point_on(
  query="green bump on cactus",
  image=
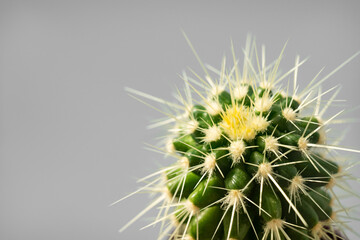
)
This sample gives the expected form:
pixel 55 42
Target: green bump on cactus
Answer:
pixel 189 181
pixel 204 225
pixel 252 163
pixel 207 192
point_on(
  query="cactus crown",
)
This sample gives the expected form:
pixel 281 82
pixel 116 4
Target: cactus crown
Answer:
pixel 252 158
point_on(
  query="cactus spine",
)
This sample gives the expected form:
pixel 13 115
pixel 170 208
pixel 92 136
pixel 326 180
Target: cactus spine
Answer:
pixel 252 160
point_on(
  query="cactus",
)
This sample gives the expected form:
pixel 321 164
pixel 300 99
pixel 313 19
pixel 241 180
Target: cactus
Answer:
pixel 252 158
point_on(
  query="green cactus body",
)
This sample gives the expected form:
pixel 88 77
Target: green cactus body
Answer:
pixel 250 162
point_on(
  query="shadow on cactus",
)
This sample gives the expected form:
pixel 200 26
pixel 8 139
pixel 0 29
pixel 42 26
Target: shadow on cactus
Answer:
pixel 252 160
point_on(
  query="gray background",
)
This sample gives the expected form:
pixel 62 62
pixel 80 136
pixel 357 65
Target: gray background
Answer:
pixel 71 139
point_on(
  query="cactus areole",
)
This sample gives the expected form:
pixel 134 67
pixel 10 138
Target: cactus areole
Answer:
pixel 251 157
